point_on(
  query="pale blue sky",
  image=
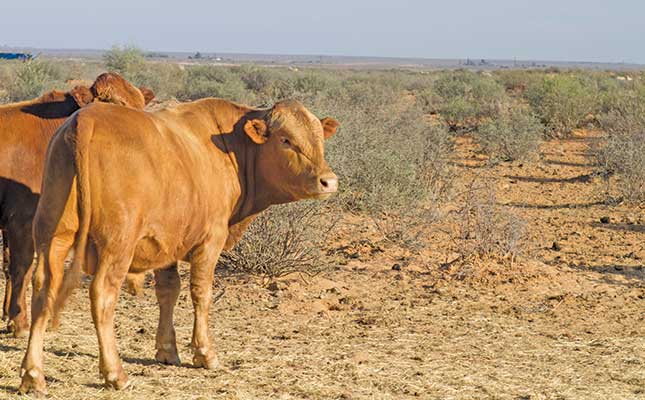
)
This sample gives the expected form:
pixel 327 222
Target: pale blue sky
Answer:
pixel 566 30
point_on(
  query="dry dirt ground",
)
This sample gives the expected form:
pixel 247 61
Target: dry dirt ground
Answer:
pixel 564 323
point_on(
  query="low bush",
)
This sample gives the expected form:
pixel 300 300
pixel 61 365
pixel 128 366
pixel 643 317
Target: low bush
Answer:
pixel 625 113
pixel 126 60
pixel 465 99
pixel 282 240
pixel 562 102
pixel 623 155
pixel 514 135
pixel 385 150
pixel 487 229
pixel 165 79
pixel 32 78
pixel 516 81
pixel 213 81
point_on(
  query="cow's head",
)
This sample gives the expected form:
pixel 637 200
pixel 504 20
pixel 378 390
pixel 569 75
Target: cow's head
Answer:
pixel 110 87
pixel 291 154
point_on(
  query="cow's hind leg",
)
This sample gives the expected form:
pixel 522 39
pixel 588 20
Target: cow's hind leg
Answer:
pixel 167 288
pixel 5 268
pixel 22 257
pixel 104 292
pixel 46 284
pixel 202 267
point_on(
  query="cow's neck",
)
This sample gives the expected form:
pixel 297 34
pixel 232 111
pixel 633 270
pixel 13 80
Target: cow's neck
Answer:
pixel 256 194
pixel 243 156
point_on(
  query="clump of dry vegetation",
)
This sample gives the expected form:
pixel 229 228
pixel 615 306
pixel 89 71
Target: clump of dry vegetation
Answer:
pixel 623 152
pixel 514 135
pixel 284 239
pixel 465 99
pixel 487 229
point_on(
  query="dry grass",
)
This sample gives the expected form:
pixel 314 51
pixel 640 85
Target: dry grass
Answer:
pixel 401 336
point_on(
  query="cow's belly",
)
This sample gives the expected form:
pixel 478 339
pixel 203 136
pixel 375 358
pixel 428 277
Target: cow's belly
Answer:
pixel 152 253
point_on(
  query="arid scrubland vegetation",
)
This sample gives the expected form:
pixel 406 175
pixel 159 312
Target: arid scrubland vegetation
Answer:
pixel 435 187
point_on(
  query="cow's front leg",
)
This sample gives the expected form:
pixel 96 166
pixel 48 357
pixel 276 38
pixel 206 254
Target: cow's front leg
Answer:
pixel 203 260
pixel 167 288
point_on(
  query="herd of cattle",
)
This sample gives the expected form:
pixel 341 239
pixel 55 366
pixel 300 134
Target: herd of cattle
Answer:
pixel 132 191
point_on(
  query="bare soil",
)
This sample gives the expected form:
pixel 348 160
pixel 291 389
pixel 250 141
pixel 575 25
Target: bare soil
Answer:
pixel 564 321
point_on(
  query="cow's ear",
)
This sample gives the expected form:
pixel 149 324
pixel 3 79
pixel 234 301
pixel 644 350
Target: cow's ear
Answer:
pixel 82 95
pixel 256 129
pixel 330 126
pixel 148 94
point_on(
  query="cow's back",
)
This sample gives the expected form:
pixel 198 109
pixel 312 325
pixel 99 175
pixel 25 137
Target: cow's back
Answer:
pixel 24 136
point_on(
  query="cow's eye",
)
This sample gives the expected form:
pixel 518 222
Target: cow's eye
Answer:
pixel 285 141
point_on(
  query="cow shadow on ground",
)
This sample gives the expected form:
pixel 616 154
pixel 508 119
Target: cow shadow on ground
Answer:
pixel 635 273
pixel 555 206
pixel 569 164
pixel 585 178
pixel 468 166
pixel 146 362
pixel 57 352
pixel 5 348
pixel 72 353
pixel 97 386
pixel 620 227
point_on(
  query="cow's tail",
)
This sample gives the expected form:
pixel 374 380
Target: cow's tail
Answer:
pixel 79 145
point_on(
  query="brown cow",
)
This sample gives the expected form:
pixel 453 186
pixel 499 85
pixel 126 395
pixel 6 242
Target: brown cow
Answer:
pixel 25 131
pixel 157 187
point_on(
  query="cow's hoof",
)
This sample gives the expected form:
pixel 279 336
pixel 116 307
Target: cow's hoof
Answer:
pixel 117 380
pixel 19 330
pixel 134 284
pixel 33 382
pixel 205 359
pixel 55 323
pixel 168 357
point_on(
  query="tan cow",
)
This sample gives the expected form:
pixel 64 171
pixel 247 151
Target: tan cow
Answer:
pixel 179 183
pixel 25 131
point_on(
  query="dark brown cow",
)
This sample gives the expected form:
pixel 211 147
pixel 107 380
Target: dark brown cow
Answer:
pixel 25 131
pixel 180 183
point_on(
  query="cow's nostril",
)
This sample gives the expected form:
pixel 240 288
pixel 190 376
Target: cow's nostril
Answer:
pixel 328 183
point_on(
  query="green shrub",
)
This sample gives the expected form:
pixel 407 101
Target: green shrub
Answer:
pixel 514 135
pixel 562 102
pixel 213 81
pixel 384 148
pixel 126 60
pixel 466 98
pixel 32 78
pixel 624 156
pixel 623 153
pixel 625 113
pixel 517 80
pixel 165 79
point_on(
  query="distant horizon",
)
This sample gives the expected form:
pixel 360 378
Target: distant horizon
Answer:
pixel 338 55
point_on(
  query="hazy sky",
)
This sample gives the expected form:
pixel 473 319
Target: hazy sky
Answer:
pixel 575 30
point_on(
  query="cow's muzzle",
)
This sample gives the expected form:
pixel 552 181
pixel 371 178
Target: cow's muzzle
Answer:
pixel 327 183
